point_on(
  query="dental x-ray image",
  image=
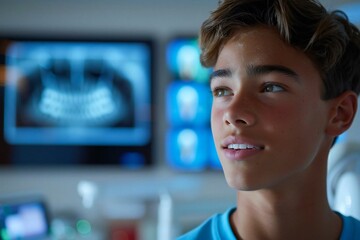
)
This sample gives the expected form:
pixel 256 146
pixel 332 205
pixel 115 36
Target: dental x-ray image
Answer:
pixel 185 148
pixel 189 142
pixel 78 93
pixel 188 104
pixel 184 62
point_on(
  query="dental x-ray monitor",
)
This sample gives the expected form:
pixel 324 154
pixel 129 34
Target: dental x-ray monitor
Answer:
pixel 79 92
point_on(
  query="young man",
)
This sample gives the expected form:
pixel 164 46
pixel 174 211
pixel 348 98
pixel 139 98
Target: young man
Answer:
pixel 286 75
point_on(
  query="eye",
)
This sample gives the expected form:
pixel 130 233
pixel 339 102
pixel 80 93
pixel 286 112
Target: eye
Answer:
pixel 221 92
pixel 273 87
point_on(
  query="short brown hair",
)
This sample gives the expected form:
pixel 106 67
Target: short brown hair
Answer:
pixel 328 38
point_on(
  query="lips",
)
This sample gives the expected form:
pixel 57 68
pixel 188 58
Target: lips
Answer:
pixel 238 148
pixel 235 142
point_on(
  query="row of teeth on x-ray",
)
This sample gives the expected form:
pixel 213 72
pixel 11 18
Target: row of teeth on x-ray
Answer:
pixel 78 96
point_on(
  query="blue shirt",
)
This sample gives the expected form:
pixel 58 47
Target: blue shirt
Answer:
pixel 218 228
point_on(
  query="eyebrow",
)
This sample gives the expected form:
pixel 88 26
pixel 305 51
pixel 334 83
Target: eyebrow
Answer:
pixel 254 70
pixel 220 73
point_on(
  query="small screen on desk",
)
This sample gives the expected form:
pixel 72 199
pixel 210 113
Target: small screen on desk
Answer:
pixel 26 220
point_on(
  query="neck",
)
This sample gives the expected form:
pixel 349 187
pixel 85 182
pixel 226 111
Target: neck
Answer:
pixel 295 211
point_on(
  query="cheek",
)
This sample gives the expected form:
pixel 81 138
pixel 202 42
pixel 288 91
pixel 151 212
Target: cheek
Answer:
pixel 299 129
pixel 290 115
pixel 216 122
pixel 279 120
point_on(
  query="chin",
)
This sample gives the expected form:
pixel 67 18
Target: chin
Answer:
pixel 240 184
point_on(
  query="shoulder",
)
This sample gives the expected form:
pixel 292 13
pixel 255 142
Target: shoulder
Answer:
pixel 203 231
pixel 215 228
pixel 351 228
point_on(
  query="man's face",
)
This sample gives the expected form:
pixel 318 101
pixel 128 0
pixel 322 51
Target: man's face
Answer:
pixel 268 118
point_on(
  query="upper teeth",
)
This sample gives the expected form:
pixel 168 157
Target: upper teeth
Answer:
pixel 240 146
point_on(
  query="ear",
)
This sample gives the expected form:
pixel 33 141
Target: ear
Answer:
pixel 342 113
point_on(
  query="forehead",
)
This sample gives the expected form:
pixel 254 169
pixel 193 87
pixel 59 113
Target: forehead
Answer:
pixel 259 33
pixel 260 41
pixel 262 45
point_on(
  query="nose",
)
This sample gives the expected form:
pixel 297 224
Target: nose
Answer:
pixel 240 112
